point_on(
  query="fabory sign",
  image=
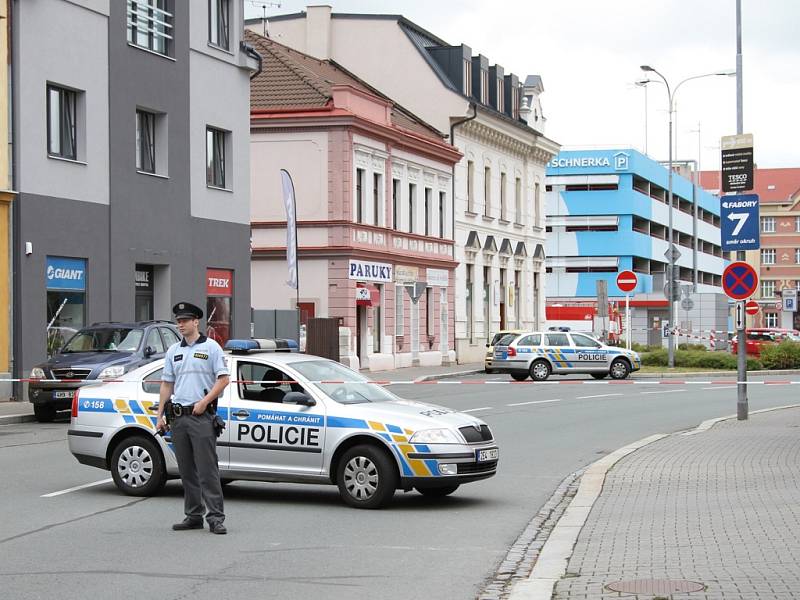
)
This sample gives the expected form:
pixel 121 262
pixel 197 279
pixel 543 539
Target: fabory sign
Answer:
pixel 739 222
pixel 65 273
pixel 369 271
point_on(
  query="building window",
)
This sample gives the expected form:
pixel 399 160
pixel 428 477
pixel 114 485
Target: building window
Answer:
pixel 503 203
pixel 377 184
pixel 467 78
pixel 398 309
pixel 487 300
pixel 518 297
pixel 500 98
pixel 377 323
pixel 412 201
pixel 515 103
pixel 797 255
pixel 62 139
pixel 797 224
pixel 768 256
pixel 487 191
pixel 429 312
pixel 216 159
pixel 536 205
pixel 770 319
pixel 470 186
pixel 518 201
pixel 428 207
pixel 442 208
pixel 218 20
pixel 359 195
pixel 767 289
pixel 396 204
pixel 470 295
pixel 484 87
pixel 150 25
pixel 768 224
pixel 145 141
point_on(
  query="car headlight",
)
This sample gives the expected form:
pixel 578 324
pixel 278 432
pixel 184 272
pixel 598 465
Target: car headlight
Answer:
pixel 111 372
pixel 435 436
pixel 37 373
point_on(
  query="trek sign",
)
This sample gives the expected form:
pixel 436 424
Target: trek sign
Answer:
pixel 739 223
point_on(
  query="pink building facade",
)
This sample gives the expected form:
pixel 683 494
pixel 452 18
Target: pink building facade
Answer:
pixel 374 208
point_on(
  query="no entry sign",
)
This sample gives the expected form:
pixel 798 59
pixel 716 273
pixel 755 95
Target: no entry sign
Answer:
pixel 626 281
pixel 739 280
pixel 751 308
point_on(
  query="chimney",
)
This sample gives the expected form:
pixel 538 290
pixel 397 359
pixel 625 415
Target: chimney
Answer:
pixel 318 31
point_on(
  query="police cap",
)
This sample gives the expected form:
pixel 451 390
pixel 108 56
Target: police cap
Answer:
pixel 187 310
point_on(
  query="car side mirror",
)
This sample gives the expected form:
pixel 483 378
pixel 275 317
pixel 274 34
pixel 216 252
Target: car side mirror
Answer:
pixel 299 398
pixel 149 351
pixel 487 345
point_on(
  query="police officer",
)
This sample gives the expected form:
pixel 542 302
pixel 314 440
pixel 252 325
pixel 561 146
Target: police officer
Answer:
pixel 195 374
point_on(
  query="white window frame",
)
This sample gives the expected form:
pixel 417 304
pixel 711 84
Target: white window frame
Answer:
pixel 768 256
pixel 471 186
pixel 767 288
pixel 63 117
pixel 150 25
pixel 768 224
pixel 399 317
pixel 797 224
pixel 518 200
pixel 360 195
pixel 503 197
pixel 797 256
pixel 770 319
pixel 487 191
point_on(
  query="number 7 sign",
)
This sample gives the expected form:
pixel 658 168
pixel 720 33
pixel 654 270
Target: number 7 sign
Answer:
pixel 739 222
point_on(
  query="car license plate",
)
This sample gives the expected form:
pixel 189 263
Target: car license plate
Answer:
pixel 501 355
pixel 67 394
pixel 486 455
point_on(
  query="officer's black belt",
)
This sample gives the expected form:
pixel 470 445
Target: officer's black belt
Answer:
pixel 179 410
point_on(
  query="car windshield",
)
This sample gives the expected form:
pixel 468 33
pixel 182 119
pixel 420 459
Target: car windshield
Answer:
pixel 506 339
pixel 499 336
pixel 106 339
pixel 341 384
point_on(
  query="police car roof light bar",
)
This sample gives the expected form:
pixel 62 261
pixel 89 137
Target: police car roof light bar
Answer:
pixel 261 345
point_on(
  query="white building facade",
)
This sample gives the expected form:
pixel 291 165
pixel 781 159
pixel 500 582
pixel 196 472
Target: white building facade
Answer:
pixel 494 120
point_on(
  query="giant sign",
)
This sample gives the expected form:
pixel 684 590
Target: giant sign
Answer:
pixel 65 273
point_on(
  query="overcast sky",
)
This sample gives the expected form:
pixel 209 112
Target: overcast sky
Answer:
pixel 588 54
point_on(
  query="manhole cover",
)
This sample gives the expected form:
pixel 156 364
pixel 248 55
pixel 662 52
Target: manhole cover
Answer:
pixel 657 587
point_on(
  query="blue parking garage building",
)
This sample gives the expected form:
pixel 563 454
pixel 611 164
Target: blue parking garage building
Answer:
pixel 607 212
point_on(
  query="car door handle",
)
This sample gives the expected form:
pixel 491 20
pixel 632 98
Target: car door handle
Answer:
pixel 153 408
pixel 240 413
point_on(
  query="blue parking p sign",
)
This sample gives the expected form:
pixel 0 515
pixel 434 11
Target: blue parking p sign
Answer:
pixel 739 227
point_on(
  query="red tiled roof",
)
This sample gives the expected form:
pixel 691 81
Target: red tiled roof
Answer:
pixel 771 185
pixel 292 80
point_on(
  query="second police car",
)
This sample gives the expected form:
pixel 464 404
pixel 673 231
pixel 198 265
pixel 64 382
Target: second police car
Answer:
pixel 539 354
pixel 290 418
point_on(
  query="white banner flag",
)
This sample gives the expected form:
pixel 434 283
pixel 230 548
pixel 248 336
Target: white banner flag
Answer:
pixel 291 227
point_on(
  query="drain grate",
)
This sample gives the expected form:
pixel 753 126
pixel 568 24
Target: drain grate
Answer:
pixel 662 587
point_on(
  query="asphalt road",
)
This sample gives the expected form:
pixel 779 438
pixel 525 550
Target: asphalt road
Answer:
pixel 292 541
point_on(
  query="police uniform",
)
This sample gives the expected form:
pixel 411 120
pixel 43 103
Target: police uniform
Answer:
pixel 194 369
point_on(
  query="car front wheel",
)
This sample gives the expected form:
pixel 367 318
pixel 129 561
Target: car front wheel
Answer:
pixel 366 477
pixel 620 369
pixel 138 467
pixel 540 370
pixel 519 376
pixel 599 375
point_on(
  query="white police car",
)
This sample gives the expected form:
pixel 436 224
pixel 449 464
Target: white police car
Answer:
pixel 540 354
pixel 290 418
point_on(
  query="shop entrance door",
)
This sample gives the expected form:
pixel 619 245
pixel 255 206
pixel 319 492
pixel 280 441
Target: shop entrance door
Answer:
pixel 361 336
pixel 655 319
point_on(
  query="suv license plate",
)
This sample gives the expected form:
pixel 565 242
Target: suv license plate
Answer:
pixel 68 394
pixel 486 455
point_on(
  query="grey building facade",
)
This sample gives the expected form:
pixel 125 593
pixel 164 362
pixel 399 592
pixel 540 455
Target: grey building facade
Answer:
pixel 132 163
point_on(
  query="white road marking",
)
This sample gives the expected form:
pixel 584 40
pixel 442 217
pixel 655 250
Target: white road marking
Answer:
pixel 720 387
pixel 476 409
pixel 664 392
pixel 76 488
pixel 534 402
pixel 597 396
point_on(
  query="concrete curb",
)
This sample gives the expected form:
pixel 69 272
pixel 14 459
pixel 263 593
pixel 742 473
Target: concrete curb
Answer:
pixel 712 373
pixel 20 418
pixel 553 560
pixel 447 375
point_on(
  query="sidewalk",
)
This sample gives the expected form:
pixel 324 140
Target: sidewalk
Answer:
pixel 719 507
pixel 425 373
pixel 15 412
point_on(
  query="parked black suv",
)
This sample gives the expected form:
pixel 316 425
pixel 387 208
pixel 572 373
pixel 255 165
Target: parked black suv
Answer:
pixel 101 351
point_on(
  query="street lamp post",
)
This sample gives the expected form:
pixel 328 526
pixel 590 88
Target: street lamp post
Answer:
pixel 671 258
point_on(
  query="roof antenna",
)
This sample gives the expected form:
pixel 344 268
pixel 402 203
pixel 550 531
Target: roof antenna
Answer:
pixel 264 6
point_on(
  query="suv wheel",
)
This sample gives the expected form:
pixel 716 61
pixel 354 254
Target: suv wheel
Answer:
pixel 540 370
pixel 138 467
pixel 366 477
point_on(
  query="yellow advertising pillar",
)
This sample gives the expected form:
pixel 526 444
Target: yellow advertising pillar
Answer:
pixel 6 195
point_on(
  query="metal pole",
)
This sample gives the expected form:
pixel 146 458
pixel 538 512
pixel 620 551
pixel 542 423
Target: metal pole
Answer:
pixel 628 321
pixel 742 408
pixel 671 274
pixel 739 85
